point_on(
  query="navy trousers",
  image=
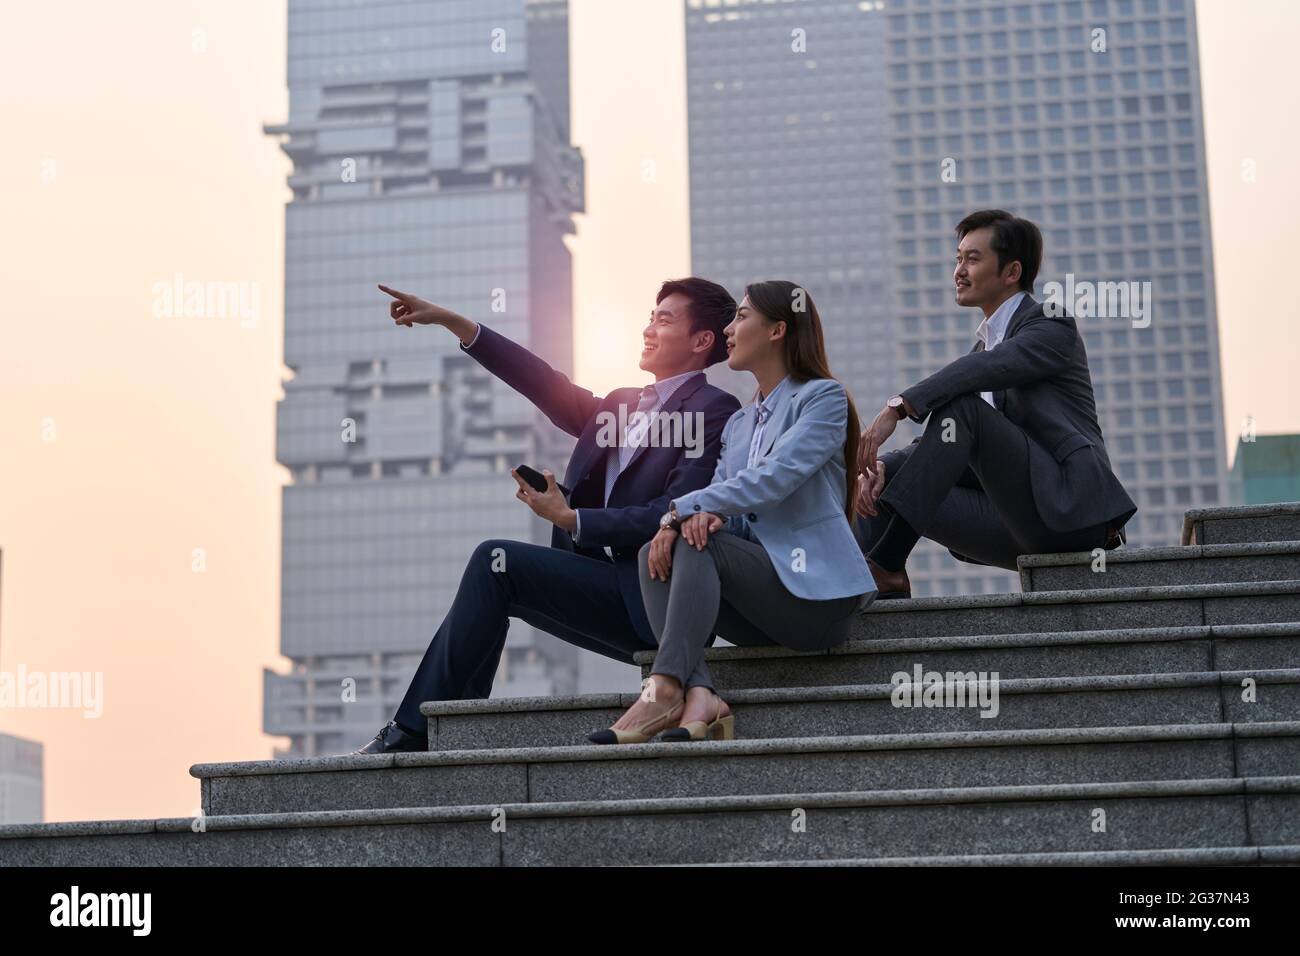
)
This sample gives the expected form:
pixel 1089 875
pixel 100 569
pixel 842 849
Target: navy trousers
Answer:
pixel 573 596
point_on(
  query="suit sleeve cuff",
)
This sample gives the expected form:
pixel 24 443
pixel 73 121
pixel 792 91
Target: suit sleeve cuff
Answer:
pixel 911 400
pixel 477 332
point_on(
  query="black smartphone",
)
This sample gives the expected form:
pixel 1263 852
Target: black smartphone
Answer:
pixel 538 480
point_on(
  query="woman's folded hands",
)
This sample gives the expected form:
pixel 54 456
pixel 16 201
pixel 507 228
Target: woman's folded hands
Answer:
pixel 695 529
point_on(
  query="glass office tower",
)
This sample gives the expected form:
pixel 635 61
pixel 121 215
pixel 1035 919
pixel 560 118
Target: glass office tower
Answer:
pixel 786 124
pixel 430 151
pixel 1082 115
pixel 1265 470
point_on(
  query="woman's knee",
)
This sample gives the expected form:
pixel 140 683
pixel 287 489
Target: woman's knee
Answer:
pixel 683 550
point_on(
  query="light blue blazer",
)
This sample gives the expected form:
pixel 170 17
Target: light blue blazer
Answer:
pixel 792 500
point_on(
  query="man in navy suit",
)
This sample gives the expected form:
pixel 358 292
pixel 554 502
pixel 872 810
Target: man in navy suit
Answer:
pixel 585 587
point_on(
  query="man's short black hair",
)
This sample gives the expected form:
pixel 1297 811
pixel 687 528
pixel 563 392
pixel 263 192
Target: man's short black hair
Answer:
pixel 712 308
pixel 1014 240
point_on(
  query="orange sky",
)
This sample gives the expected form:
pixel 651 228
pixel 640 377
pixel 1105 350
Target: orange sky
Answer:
pixel 128 440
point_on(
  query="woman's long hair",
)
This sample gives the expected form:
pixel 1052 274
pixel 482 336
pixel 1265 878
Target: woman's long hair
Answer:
pixel 805 356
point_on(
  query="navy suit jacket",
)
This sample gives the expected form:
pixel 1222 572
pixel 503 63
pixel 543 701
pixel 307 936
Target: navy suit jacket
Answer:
pixel 654 476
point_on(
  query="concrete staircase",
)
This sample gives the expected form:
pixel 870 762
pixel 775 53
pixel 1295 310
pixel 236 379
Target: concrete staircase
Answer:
pixel 1122 701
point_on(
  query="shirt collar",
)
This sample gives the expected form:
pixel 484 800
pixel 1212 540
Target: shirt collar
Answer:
pixel 769 403
pixel 665 388
pixel 996 324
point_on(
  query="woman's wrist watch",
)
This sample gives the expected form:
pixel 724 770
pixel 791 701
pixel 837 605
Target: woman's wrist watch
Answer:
pixel 671 520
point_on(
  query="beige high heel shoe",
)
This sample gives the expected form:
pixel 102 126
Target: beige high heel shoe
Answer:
pixel 720 728
pixel 641 734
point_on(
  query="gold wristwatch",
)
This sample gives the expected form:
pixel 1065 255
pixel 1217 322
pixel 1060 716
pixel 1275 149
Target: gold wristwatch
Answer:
pixel 670 520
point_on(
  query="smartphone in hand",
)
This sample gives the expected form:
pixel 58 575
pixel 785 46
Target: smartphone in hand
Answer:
pixel 538 480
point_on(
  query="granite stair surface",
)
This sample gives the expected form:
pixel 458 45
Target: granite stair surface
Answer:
pixel 1243 524
pixel 1133 707
pixel 1152 567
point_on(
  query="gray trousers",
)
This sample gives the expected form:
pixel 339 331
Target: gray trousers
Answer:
pixel 728 589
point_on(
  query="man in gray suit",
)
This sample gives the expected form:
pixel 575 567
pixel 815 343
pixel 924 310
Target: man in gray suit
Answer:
pixel 1012 460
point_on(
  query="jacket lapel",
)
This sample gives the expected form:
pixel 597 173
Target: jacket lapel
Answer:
pixel 1022 310
pixel 685 391
pixel 585 460
pixel 1027 303
pixel 776 423
pixel 999 398
pixel 741 436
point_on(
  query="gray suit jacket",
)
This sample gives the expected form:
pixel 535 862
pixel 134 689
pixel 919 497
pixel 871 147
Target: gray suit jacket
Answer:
pixel 1039 378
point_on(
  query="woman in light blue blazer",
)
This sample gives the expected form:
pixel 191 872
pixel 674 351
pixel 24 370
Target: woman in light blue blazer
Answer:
pixel 764 554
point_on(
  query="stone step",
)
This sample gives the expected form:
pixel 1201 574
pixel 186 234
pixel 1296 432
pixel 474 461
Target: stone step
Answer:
pixel 1054 818
pixel 1243 523
pixel 1206 697
pixel 1194 856
pixel 1147 567
pixel 1073 610
pixel 804 765
pixel 1155 650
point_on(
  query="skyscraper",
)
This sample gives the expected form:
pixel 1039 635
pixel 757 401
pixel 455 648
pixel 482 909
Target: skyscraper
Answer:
pixel 1082 115
pixel 1265 470
pixel 430 151
pixel 787 138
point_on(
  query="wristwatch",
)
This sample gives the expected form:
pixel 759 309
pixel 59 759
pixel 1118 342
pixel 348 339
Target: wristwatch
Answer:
pixel 670 520
pixel 896 403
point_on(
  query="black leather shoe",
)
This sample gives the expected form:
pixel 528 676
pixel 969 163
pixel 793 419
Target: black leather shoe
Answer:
pixel 898 586
pixel 393 739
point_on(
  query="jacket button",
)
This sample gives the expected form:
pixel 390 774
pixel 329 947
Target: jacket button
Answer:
pixel 697 507
pixel 752 517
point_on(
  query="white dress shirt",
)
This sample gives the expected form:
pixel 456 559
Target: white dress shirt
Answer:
pixel 653 398
pixel 994 327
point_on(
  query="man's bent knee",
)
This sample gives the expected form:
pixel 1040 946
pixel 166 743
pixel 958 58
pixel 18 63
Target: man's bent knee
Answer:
pixel 958 404
pixel 492 553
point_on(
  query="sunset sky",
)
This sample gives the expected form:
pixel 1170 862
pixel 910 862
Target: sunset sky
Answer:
pixel 133 152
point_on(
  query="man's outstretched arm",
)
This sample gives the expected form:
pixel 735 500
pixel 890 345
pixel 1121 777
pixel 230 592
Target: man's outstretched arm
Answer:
pixel 569 406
